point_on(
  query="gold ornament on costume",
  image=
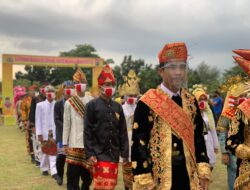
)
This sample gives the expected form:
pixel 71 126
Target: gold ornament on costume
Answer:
pixel 131 84
pixel 231 83
pixel 198 90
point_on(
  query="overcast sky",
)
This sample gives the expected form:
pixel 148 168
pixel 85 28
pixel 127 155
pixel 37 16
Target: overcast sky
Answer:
pixel 210 28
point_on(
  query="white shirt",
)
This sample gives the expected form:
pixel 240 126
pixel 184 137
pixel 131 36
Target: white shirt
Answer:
pixel 73 124
pixel 169 92
pixel 45 119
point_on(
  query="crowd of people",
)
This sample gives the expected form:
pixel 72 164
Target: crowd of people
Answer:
pixel 167 138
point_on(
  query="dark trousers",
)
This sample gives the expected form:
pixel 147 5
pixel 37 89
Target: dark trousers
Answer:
pixel 74 172
pixel 180 179
pixel 60 162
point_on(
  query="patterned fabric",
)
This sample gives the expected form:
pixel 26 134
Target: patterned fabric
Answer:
pixel 105 175
pixel 173 115
pixel 127 175
pixel 79 76
pixel 76 156
pixel 173 52
pixel 77 104
pixel 106 75
pixel 49 147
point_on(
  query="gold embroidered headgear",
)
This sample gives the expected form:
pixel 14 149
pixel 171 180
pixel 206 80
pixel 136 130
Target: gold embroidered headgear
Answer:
pixel 79 76
pixel 198 90
pixel 131 84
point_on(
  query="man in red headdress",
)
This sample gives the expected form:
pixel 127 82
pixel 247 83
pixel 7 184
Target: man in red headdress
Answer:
pixel 105 133
pixel 168 150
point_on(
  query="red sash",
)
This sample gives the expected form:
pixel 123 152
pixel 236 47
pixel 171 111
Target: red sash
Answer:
pixel 173 114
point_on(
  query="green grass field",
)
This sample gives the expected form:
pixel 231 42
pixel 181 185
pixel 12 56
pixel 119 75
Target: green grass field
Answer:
pixel 17 172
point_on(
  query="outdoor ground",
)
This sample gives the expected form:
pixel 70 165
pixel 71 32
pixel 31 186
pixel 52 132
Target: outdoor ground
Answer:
pixel 17 172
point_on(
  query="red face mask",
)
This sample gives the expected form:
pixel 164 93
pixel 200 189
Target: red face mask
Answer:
pixel 108 91
pixel 80 87
pixel 131 100
pixel 42 90
pixel 69 92
pixel 202 105
pixel 50 95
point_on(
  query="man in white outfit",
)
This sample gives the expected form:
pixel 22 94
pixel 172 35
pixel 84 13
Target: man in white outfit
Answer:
pixel 74 112
pixel 45 130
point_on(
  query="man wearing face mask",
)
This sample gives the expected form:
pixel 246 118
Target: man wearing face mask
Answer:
pixel 74 113
pixel 168 150
pixel 36 144
pixel 45 131
pixel 105 133
pixel 68 90
pixel 130 90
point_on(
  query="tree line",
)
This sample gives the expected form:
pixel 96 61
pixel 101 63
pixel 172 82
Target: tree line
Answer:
pixel 148 73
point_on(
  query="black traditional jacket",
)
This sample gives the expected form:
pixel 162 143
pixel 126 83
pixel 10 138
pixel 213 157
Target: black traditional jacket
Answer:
pixel 157 146
pixel 105 130
pixel 238 142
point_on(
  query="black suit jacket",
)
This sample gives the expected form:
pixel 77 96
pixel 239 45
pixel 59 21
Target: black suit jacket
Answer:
pixel 58 117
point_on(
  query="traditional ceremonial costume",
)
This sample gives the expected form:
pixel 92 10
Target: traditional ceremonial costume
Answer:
pixel 130 90
pixel 238 141
pixel 32 117
pixel 45 128
pixel 25 110
pixel 232 86
pixel 105 134
pixel 168 150
pixel 73 127
pixel 64 92
pixel 211 138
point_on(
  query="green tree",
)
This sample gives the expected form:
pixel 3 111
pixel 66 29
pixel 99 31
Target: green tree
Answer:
pixel 204 74
pixel 233 71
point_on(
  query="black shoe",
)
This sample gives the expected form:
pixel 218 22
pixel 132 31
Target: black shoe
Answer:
pixel 45 173
pixel 59 180
pixel 37 164
pixel 54 176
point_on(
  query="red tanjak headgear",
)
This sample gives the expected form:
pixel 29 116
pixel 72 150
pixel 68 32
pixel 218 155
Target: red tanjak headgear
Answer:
pixel 106 75
pixel 244 60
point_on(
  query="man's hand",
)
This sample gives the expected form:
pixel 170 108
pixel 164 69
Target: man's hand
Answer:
pixel 40 138
pixel 124 161
pixel 225 158
pixel 204 184
pixel 92 160
pixel 65 147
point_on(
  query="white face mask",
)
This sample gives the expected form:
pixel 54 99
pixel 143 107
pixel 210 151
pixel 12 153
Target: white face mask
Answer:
pixel 108 90
pixel 50 95
pixel 80 87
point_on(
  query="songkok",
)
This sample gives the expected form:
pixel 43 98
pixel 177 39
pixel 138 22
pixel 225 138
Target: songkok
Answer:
pixel 173 52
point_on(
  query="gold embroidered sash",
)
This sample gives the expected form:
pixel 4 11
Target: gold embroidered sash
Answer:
pixel 77 104
pixel 173 114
